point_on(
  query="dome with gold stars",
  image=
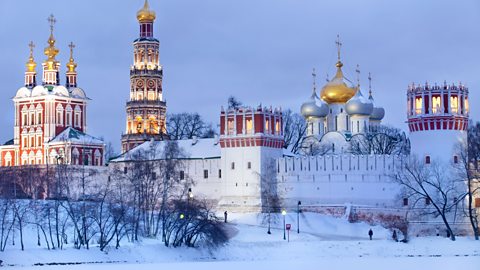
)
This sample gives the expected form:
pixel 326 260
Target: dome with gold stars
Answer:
pixel 337 90
pixel 146 14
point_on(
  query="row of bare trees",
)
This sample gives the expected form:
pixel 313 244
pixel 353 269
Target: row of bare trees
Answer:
pixel 147 196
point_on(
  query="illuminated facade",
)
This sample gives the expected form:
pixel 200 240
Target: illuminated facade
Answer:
pixel 437 119
pixel 50 119
pixel 146 108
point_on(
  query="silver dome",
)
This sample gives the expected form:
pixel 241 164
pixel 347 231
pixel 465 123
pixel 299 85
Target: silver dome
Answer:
pixel 311 109
pixel 378 112
pixel 359 105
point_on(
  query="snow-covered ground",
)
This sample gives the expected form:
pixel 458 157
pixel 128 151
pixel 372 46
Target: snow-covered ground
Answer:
pixel 323 243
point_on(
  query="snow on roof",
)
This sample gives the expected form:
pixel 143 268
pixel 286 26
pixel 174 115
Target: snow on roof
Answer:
pixel 193 149
pixel 72 135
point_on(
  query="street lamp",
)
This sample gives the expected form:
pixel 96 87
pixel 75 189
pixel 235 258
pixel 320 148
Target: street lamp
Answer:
pixel 298 216
pixel 284 213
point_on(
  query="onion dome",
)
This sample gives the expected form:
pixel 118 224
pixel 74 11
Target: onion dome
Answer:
pixel 145 14
pixel 31 65
pixel 311 109
pixel 359 105
pixel 337 90
pixel 378 112
pixel 71 65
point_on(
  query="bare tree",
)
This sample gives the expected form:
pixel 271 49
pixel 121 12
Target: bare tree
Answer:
pixel 383 140
pixel 187 126
pixel 468 171
pixel 294 130
pixel 270 195
pixel 432 185
pixel 234 103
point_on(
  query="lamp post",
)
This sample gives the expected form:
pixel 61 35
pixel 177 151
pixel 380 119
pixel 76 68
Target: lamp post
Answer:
pixel 298 216
pixel 284 213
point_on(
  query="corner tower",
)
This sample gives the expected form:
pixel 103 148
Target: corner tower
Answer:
pixel 437 120
pixel 146 108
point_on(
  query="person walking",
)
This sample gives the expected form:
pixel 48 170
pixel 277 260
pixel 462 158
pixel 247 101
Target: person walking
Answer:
pixel 370 234
pixel 225 214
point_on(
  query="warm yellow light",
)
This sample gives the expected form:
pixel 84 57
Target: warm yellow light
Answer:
pixel 466 105
pixel 249 126
pixel 454 104
pixel 436 103
pixel 418 105
pixel 182 216
pixel 284 212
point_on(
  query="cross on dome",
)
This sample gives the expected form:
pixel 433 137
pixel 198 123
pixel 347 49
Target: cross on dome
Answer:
pixel 314 75
pixel 358 75
pixel 71 46
pixel 51 20
pixel 339 46
pixel 32 46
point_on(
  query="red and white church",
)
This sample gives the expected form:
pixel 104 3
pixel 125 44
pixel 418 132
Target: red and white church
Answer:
pixel 50 118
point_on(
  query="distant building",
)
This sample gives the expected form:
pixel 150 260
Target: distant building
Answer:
pixel 146 108
pixel 51 119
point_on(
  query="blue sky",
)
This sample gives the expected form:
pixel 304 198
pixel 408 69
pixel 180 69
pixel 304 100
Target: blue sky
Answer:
pixel 261 51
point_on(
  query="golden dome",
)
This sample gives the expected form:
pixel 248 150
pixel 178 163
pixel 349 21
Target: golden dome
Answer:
pixel 336 90
pixel 51 51
pixel 145 14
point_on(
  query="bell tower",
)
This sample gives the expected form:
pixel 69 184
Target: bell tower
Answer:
pixel 146 108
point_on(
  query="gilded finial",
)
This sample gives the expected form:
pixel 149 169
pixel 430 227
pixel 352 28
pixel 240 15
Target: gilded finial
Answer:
pixel 369 84
pixel 31 62
pixel 51 51
pixel 339 47
pixel 358 75
pixel 71 64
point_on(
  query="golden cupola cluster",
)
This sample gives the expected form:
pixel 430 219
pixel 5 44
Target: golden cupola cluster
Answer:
pixel 31 65
pixel 146 14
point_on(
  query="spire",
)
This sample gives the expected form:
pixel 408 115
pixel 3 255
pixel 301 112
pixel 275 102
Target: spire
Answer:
pixel 31 65
pixel 71 63
pixel 30 73
pixel 51 51
pixel 51 65
pixel 71 80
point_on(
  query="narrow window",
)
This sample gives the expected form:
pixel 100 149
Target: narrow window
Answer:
pixel 154 175
pixel 219 173
pixel 233 166
pixel 125 170
pixel 182 175
pixel 455 159
pixel 427 159
pixel 405 201
pixel 427 201
pixel 205 174
pixel 249 165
